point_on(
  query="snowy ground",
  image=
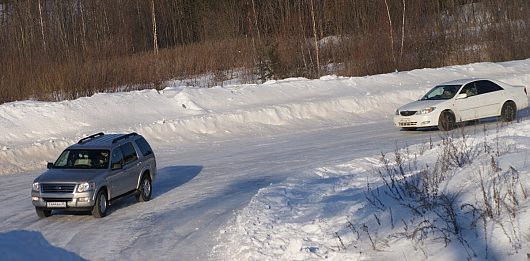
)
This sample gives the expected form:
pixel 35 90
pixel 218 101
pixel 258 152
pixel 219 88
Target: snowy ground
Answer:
pixel 277 171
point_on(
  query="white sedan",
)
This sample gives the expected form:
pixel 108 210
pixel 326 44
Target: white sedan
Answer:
pixel 462 100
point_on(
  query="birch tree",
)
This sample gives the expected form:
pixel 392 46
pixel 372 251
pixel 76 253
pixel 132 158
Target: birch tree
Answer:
pixel 391 33
pixel 315 37
pixel 153 22
pixel 42 27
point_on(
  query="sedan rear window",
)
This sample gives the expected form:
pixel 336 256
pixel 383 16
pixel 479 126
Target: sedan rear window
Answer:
pixel 487 87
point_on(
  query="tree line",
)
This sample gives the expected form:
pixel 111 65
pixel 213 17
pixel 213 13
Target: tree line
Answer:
pixel 64 49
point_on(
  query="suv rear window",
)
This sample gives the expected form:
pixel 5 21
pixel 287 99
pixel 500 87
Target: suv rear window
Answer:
pixel 145 149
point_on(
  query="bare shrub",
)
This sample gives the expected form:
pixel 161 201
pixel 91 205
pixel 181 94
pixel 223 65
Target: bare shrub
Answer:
pixel 437 212
pixel 457 152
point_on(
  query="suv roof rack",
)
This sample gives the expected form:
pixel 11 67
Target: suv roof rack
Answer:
pixel 124 137
pixel 86 139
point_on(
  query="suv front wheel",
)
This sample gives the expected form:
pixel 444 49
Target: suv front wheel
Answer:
pixel 100 207
pixel 42 213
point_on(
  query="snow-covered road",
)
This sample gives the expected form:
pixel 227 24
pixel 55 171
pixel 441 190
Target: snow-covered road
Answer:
pixel 198 188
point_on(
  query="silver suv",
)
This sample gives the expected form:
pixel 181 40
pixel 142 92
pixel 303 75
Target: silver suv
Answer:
pixel 92 174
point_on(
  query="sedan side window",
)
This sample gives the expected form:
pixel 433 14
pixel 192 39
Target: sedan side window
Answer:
pixel 487 87
pixel 129 153
pixel 470 89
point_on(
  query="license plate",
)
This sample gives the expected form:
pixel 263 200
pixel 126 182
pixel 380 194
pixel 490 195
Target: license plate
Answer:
pixel 56 204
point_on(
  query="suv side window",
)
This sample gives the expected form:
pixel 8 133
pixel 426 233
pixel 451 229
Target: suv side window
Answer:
pixel 117 157
pixel 129 154
pixel 144 147
pixel 487 86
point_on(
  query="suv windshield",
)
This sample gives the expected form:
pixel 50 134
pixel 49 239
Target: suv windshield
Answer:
pixel 83 159
pixel 441 92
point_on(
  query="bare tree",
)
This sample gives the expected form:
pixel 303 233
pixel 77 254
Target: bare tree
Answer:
pixel 316 38
pixel 402 31
pixel 42 27
pixel 391 33
pixel 153 22
pixel 100 44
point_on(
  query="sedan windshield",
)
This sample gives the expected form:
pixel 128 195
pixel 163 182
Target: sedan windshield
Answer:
pixel 441 92
pixel 83 159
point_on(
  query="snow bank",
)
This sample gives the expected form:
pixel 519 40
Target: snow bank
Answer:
pixel 328 214
pixel 32 132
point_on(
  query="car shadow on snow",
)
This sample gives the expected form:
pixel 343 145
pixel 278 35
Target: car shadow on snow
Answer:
pixel 31 245
pixel 172 177
pixel 167 179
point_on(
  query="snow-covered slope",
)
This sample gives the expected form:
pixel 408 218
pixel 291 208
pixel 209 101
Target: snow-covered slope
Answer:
pixel 33 132
pixel 347 212
pixel 277 171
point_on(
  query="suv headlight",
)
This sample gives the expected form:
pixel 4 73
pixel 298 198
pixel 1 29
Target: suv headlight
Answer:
pixel 87 186
pixel 426 110
pixel 36 186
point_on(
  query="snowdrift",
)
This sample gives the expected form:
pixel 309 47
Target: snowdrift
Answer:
pixel 33 132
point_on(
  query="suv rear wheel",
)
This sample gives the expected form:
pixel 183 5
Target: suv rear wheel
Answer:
pixel 100 207
pixel 144 191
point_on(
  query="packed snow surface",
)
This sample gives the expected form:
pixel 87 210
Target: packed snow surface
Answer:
pixel 286 170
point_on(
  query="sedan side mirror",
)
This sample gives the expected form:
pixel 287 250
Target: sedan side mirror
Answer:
pixel 116 166
pixel 461 96
pixel 49 165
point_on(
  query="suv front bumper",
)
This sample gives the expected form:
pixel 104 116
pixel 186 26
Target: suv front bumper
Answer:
pixel 72 201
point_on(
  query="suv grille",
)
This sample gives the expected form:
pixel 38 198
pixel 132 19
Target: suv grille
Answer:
pixel 57 199
pixel 57 188
pixel 407 113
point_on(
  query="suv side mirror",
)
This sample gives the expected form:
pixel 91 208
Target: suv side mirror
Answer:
pixel 49 165
pixel 116 166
